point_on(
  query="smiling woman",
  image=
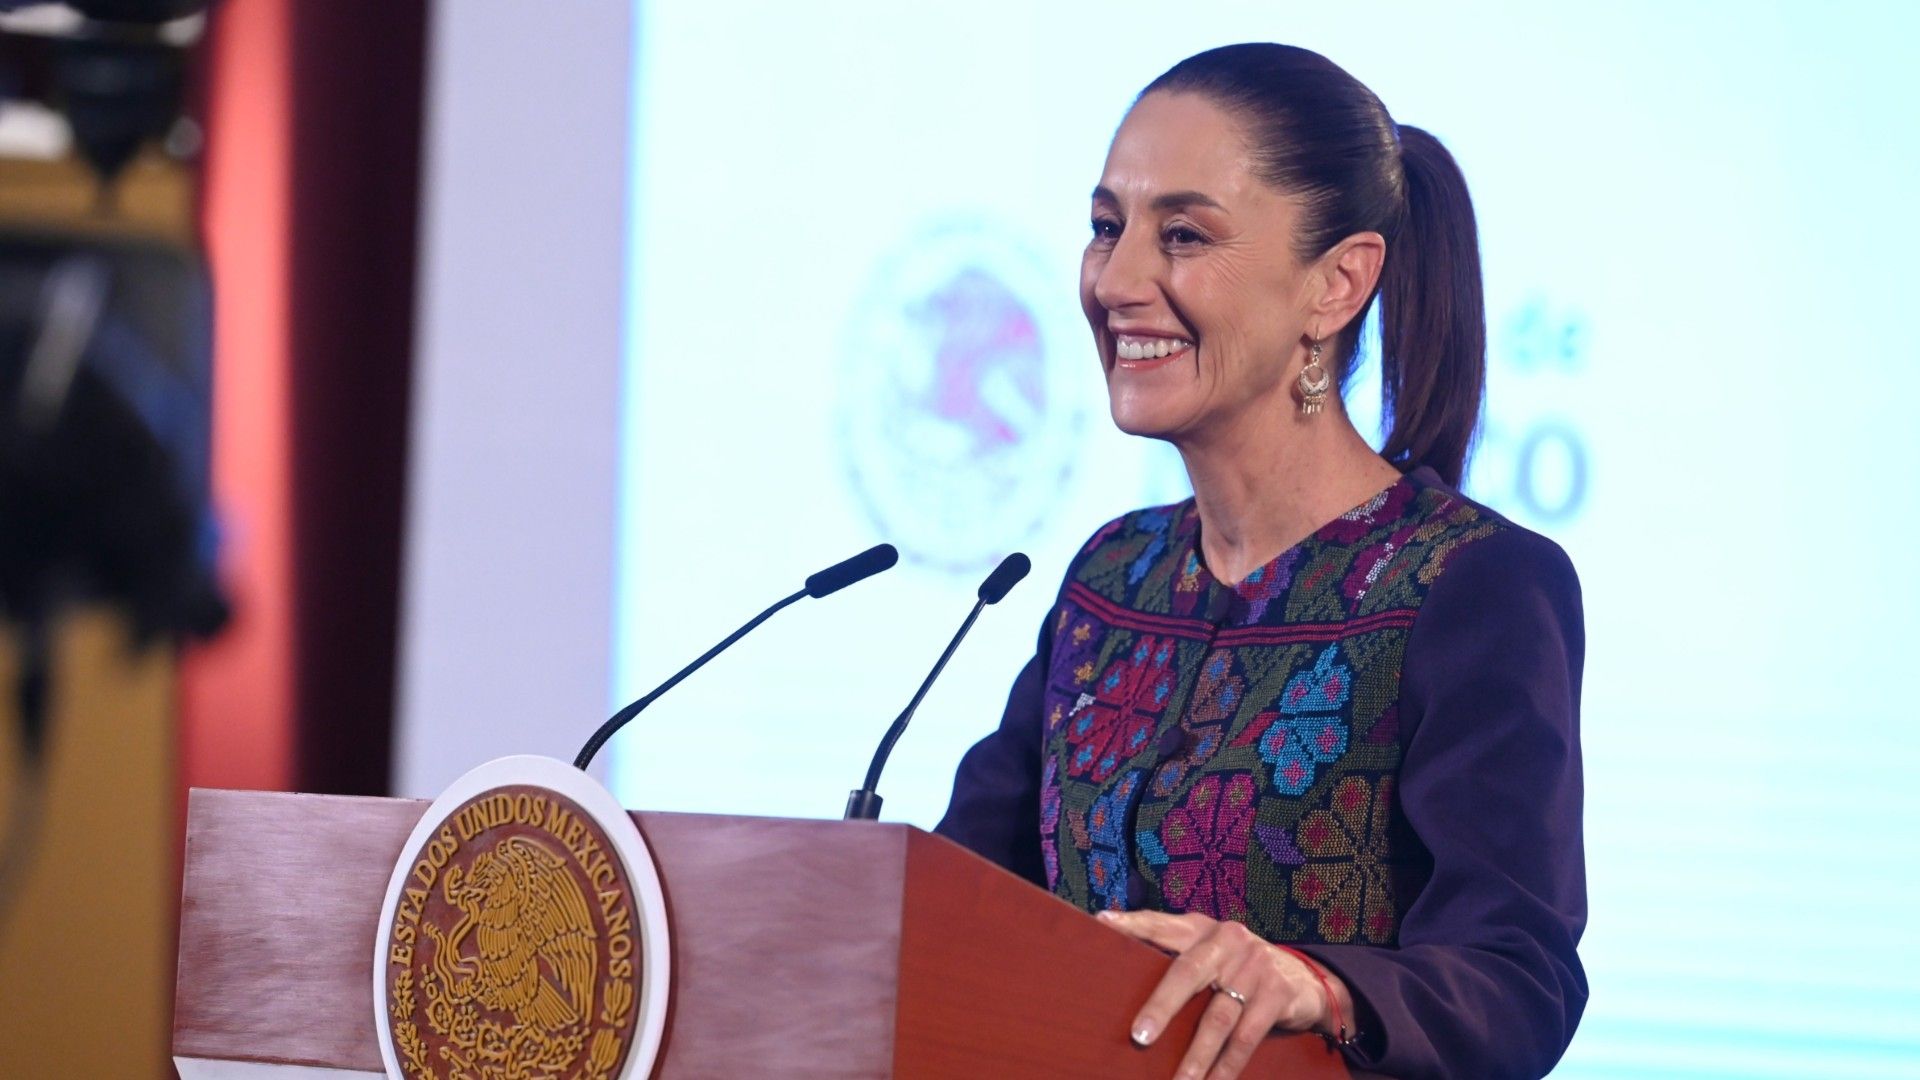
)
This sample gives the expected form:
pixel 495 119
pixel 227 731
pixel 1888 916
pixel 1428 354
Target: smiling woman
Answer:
pixel 1314 730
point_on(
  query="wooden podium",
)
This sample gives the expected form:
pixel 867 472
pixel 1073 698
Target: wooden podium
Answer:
pixel 800 949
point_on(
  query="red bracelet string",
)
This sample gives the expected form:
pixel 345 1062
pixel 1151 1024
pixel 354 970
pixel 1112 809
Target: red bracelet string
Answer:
pixel 1342 1037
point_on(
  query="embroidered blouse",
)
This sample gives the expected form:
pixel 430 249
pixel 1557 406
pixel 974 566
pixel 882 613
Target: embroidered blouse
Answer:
pixel 1367 749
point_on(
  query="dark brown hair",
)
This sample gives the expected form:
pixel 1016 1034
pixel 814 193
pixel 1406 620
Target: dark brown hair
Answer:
pixel 1320 135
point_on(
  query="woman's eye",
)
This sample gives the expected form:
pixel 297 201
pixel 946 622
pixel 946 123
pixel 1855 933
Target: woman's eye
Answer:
pixel 1106 229
pixel 1181 236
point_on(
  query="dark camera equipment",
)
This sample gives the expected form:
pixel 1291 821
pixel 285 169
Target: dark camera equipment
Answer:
pixel 105 376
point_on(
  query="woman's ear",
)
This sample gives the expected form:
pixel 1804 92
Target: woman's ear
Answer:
pixel 1345 277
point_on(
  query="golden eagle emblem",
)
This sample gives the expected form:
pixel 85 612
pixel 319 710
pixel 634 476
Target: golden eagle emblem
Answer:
pixel 511 945
pixel 534 935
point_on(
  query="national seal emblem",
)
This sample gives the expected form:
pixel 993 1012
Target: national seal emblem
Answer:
pixel 524 934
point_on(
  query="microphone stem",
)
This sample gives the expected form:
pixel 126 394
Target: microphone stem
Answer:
pixel 900 725
pixel 619 720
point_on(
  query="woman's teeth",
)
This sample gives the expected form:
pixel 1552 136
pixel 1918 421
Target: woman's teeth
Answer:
pixel 1132 348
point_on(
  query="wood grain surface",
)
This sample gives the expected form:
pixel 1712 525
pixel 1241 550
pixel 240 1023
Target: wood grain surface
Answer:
pixel 1000 978
pixel 785 935
pixel 277 919
pixel 792 942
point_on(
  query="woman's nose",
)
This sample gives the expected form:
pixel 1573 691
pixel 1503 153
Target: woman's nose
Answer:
pixel 1127 278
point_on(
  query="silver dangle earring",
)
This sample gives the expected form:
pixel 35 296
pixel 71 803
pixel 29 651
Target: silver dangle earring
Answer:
pixel 1314 383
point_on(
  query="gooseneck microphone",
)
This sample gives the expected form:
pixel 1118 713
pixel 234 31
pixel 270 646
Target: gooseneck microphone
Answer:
pixel 864 803
pixel 825 583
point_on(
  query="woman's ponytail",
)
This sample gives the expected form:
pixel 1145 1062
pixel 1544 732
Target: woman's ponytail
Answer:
pixel 1433 317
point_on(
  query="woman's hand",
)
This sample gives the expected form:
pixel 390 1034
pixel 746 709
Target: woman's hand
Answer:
pixel 1278 988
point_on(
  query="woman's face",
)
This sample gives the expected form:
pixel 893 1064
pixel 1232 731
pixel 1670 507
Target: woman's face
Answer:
pixel 1197 303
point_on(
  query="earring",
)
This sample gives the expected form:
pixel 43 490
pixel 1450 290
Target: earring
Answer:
pixel 1314 383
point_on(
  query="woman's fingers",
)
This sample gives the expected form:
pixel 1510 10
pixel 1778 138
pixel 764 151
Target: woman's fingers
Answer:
pixel 1185 977
pixel 1195 969
pixel 1217 1026
pixel 1266 1001
pixel 1216 957
pixel 1174 933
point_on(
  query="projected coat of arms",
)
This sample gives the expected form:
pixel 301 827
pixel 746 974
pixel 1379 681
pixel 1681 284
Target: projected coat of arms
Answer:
pixel 964 382
pixel 520 940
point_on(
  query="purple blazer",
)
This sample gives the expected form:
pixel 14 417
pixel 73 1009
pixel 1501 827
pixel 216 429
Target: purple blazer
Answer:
pixel 1367 749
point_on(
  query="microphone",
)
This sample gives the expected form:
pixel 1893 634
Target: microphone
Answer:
pixel 864 802
pixel 825 583
pixel 847 571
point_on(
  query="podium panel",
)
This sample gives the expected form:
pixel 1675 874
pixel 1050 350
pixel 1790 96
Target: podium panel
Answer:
pixel 803 949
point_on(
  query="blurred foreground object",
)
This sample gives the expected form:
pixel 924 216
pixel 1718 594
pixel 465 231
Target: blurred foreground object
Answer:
pixel 86 948
pixel 105 381
pixel 104 428
pixel 104 425
pixel 102 78
pixel 106 538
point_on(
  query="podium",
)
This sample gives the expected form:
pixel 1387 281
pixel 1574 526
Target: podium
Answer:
pixel 801 949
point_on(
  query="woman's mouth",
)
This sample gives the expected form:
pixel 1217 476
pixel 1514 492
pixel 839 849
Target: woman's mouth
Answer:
pixel 1136 352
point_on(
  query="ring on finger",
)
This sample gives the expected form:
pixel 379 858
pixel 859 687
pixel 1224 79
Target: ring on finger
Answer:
pixel 1239 998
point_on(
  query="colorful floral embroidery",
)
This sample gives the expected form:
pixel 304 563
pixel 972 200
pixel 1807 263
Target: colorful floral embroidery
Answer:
pixel 1268 583
pixel 1216 697
pixel 1076 647
pixel 1108 858
pixel 1116 723
pixel 1156 522
pixel 1201 847
pixel 1366 569
pixel 1218 692
pixel 1346 877
pixel 1324 689
pixel 1232 749
pixel 1308 730
pixel 1050 820
pixel 1189 574
pixel 1294 748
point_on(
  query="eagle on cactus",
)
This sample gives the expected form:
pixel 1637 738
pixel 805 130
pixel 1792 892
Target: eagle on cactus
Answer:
pixel 532 931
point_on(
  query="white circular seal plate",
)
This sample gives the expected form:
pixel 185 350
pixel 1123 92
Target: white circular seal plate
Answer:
pixel 631 848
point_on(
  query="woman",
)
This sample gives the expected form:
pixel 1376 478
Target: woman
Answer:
pixel 1314 730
